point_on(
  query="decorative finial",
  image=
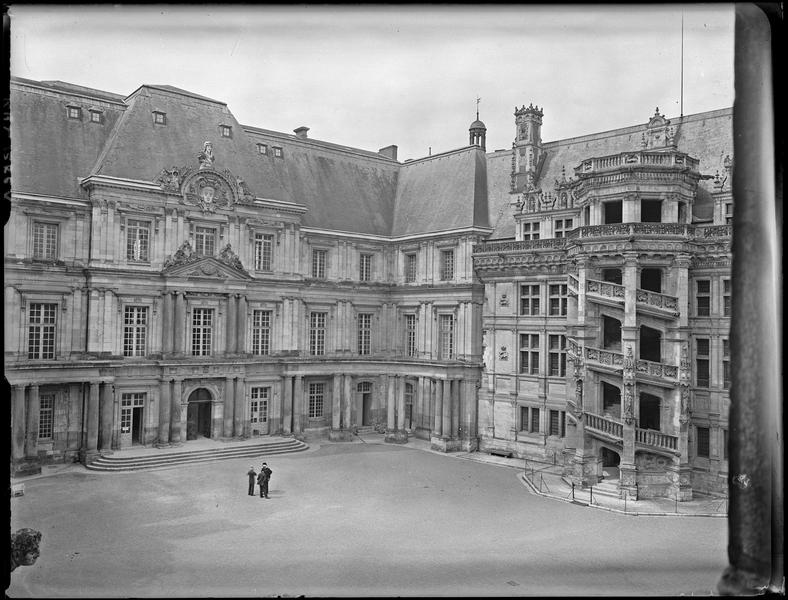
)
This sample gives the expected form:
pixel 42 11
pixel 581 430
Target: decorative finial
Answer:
pixel 477 107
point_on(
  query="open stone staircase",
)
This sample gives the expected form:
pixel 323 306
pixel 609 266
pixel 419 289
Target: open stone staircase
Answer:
pixel 168 458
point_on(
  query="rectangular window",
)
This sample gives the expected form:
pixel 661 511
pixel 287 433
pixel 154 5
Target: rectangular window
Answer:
pixel 365 267
pixel 726 364
pixel 447 265
pixel 202 331
pixel 529 419
pixel 137 240
pixel 410 268
pixel 557 352
pixel 702 297
pixel 258 407
pixel 446 324
pixel 703 441
pixel 529 353
pixel 529 300
pixel 226 131
pixel 558 300
pixel 534 428
pixel 410 335
pixel 159 118
pixel 204 240
pixel 562 227
pixel 726 297
pixel 317 333
pixel 46 411
pixel 557 423
pixel 364 334
pixel 74 112
pixel 261 332
pixel 95 116
pixel 135 330
pixel 263 250
pixel 702 362
pixel 530 231
pixel 319 263
pixel 45 241
pixel 42 321
pixel 262 149
pixel 316 396
pixel 728 213
pixel 278 152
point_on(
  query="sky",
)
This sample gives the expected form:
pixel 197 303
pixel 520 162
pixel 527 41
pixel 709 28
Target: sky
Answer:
pixel 371 76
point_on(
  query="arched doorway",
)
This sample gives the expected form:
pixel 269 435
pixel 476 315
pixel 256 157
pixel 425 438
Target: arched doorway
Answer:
pixel 198 415
pixel 610 462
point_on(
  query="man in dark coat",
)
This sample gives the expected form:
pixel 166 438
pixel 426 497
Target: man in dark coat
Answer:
pixel 262 480
pixel 252 475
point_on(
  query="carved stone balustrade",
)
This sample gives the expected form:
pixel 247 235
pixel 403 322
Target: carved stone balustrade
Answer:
pixel 606 289
pixel 607 358
pixel 662 302
pixel 572 284
pixel 656 439
pixel 656 369
pixel 617 162
pixel 608 427
pixel 713 231
pixel 514 246
pixel 633 229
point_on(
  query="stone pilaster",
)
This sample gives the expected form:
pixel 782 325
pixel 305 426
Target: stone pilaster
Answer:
pixel 165 413
pixel 90 448
pixel 287 405
pixel 228 405
pixel 240 419
pixel 179 427
pixel 33 412
pixel 232 326
pixel 107 414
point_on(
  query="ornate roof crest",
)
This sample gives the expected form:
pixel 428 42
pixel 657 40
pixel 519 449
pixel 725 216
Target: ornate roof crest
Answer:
pixel 187 262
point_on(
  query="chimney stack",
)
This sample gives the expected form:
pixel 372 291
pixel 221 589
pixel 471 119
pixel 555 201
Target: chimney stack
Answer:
pixel 301 132
pixel 389 152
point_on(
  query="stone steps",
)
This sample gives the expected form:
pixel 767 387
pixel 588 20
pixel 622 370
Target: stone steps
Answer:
pixel 169 459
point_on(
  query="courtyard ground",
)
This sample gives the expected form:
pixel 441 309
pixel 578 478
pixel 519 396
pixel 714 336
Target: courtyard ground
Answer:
pixel 347 519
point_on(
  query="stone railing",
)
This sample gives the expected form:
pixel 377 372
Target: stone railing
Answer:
pixel 631 229
pixel 604 425
pixel 656 439
pixel 514 246
pixel 572 283
pixel 656 369
pixel 605 288
pixel 632 159
pixel 605 357
pixel 663 301
pixel 713 231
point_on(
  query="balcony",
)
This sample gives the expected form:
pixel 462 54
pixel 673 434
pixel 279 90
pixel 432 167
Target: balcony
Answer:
pixel 649 438
pixel 658 370
pixel 604 358
pixel 658 304
pixel 609 293
pixel 629 160
pixel 572 284
pixel 632 229
pixel 605 428
pixel 515 246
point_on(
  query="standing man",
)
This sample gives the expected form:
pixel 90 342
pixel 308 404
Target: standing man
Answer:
pixel 252 475
pixel 262 479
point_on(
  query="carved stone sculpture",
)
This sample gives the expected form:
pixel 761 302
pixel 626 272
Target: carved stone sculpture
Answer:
pixel 24 547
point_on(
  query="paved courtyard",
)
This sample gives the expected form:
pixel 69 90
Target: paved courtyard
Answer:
pixel 347 519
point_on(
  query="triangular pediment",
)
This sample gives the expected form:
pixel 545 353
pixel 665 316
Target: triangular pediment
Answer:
pixel 205 266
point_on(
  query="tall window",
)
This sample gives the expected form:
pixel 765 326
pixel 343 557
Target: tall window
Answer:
pixel 365 267
pixel 703 441
pixel 410 268
pixel 263 250
pixel 410 335
pixel 258 405
pixel 364 333
pixel 447 265
pixel 261 332
pixel 204 240
pixel 702 297
pixel 317 333
pixel 557 352
pixel 529 353
pixel 529 419
pixel 202 331
pixel 137 240
pixel 726 297
pixel 42 320
pixel 728 213
pixel 45 416
pixel 530 231
pixel 44 241
pixel 702 362
pixel 726 363
pixel 446 325
pixel 319 263
pixel 529 300
pixel 135 330
pixel 557 423
pixel 562 227
pixel 557 300
pixel 316 396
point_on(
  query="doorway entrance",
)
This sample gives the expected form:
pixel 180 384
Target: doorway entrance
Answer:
pixel 610 463
pixel 365 398
pixel 131 407
pixel 198 414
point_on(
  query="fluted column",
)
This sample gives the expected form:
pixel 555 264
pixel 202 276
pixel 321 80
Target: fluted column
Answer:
pixel 179 428
pixel 231 325
pixel 228 405
pixel 287 405
pixel 107 413
pixel 241 326
pixel 239 414
pixel 33 410
pixel 180 322
pixel 447 409
pixel 18 424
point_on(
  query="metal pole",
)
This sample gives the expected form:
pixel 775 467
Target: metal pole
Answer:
pixel 573 490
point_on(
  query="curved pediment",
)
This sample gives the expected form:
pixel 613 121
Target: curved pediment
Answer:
pixel 187 263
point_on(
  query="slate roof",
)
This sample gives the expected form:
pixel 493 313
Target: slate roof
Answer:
pixel 707 136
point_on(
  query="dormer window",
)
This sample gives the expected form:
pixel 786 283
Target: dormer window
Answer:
pixel 159 118
pixel 262 149
pixel 278 153
pixel 96 116
pixel 74 112
pixel 226 131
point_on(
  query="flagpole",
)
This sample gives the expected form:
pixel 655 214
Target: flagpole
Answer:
pixel 682 64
